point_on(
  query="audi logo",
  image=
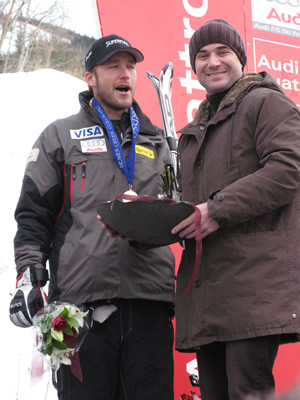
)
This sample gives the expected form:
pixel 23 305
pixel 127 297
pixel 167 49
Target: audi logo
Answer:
pixel 93 142
pixel 293 3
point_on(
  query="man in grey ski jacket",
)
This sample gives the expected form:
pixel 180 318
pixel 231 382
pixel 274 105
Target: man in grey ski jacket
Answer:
pixel 71 169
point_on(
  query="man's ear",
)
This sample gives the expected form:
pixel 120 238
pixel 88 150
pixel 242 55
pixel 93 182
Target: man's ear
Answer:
pixel 90 78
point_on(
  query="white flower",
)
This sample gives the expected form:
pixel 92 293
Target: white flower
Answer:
pixel 59 357
pixel 75 313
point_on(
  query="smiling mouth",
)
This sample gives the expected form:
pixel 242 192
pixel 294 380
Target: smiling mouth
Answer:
pixel 216 73
pixel 123 89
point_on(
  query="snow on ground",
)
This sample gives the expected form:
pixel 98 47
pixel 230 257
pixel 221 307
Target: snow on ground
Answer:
pixel 29 101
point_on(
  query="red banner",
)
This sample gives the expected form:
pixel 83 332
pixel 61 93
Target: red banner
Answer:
pixel 273 41
pixel 161 29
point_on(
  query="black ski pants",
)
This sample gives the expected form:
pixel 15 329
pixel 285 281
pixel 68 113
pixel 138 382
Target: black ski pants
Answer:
pixel 127 357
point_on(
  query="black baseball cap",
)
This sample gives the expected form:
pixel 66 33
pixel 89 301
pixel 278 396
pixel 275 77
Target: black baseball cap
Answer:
pixel 104 48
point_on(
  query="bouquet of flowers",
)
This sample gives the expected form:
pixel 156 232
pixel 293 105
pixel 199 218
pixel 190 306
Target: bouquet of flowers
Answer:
pixel 61 329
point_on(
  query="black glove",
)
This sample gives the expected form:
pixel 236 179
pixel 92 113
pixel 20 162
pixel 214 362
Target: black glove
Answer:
pixel 29 296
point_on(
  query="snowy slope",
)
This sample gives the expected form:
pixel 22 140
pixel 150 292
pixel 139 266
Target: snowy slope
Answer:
pixel 28 103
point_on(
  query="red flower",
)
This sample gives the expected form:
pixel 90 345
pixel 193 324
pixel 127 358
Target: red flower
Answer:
pixel 68 338
pixel 59 323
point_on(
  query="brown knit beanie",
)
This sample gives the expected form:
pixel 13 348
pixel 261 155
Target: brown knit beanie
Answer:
pixel 217 31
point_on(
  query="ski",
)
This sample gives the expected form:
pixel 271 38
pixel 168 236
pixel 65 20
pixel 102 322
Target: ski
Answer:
pixel 163 87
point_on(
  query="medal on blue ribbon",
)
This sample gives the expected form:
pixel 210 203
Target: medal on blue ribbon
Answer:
pixel 127 167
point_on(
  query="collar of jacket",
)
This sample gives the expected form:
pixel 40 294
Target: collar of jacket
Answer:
pixel 231 100
pixel 146 127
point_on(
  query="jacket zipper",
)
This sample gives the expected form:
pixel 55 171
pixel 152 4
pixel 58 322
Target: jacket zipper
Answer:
pixel 83 176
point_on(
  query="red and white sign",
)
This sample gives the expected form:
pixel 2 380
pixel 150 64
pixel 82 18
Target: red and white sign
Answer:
pixel 277 16
pixel 161 29
pixel 281 60
pixel 273 35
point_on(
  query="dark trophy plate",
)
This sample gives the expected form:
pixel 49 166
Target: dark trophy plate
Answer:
pixel 145 222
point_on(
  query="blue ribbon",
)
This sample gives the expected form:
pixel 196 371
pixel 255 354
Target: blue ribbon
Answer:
pixel 127 167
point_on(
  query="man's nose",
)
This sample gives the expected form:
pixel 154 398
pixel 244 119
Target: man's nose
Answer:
pixel 124 72
pixel 214 60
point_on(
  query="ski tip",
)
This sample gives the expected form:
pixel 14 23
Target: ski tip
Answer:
pixel 167 66
pixel 152 77
pixel 149 74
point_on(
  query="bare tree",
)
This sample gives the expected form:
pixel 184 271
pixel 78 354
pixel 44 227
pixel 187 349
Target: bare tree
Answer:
pixel 4 29
pixel 14 9
pixel 3 5
pixel 33 36
pixel 45 13
pixel 25 22
pixel 10 11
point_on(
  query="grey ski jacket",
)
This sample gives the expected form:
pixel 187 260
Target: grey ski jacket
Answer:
pixel 69 172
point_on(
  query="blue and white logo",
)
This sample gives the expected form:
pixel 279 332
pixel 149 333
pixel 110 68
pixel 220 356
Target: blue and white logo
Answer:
pixel 88 132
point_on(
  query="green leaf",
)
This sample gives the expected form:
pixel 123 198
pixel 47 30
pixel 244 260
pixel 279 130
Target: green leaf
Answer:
pixel 72 322
pixel 48 341
pixel 64 313
pixel 59 345
pixel 45 323
pixel 48 351
pixel 68 331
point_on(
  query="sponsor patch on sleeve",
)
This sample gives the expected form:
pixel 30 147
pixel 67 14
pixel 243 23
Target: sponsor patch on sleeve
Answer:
pixel 93 145
pixel 33 155
pixel 88 132
pixel 144 151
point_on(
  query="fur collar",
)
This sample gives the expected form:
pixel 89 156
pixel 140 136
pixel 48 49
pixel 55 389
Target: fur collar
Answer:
pixel 247 81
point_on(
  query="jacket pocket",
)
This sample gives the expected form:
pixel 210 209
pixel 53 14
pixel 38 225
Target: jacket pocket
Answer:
pixel 75 176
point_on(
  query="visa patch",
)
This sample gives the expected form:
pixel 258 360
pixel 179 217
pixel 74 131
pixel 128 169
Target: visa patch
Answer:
pixel 91 131
pixel 93 146
pixel 33 155
pixel 144 151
